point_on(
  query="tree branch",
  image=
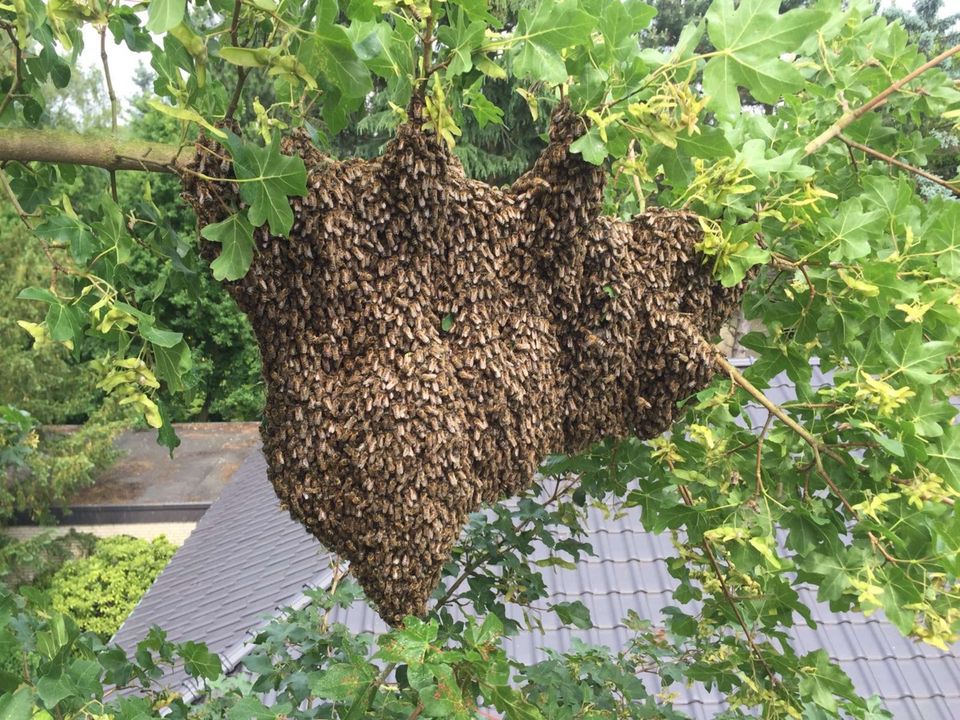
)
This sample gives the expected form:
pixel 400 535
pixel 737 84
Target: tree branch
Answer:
pixel 101 151
pixel 853 115
pixel 900 164
pixel 113 101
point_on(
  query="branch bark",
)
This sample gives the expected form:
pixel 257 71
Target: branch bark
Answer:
pixel 95 150
pixel 900 164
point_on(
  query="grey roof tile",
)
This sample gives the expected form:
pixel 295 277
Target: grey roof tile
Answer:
pixel 226 577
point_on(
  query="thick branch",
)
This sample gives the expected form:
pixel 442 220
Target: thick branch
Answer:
pixel 876 101
pixel 95 150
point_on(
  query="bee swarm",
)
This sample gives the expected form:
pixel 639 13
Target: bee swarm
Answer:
pixel 428 339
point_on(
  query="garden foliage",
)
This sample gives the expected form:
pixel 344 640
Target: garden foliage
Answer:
pixel 99 591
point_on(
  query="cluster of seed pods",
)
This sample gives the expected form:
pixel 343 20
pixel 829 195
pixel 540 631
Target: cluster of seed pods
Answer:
pixel 428 339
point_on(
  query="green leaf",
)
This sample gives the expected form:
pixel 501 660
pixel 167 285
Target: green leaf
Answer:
pixel 461 41
pixel 112 229
pixel 267 178
pixel 945 456
pixel 248 57
pixel 250 708
pixel 17 705
pixel 545 30
pixel 163 338
pixel 64 322
pixel 943 237
pixel 591 146
pixel 41 294
pixel 907 353
pixel 849 232
pixel 751 37
pixel 186 114
pixel 573 613
pixel 172 364
pixel 235 235
pixel 831 576
pixel 330 49
pixel 163 15
pixel 510 702
pixel 483 110
pixel 620 21
pixel 822 681
pixel 72 232
pixel 410 643
pixel 52 690
pixel 342 681
pixel 198 661
pixel 166 435
pixel 710 143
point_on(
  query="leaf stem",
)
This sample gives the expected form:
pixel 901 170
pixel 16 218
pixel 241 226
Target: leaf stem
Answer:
pixel 852 116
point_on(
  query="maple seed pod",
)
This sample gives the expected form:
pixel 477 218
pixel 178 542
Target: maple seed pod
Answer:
pixel 428 339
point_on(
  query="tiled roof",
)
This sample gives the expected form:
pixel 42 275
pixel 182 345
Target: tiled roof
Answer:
pixel 247 559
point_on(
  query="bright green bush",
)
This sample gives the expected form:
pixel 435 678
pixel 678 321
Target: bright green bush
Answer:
pixel 100 591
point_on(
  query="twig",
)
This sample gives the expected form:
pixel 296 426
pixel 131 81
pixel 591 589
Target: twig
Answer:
pixel 815 445
pixel 636 180
pixel 740 380
pixel 17 68
pixel 55 266
pixel 416 711
pixel 853 115
pixel 899 163
pixel 113 101
pixel 557 493
pixel 12 196
pixel 688 500
pixel 853 159
pixel 763 433
pixel 241 71
pixel 427 40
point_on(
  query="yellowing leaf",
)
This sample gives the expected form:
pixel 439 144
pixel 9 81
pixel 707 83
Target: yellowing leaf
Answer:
pixel 184 114
pixel 914 311
pixel 860 286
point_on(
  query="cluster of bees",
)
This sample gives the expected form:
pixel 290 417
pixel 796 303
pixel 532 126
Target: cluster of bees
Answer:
pixel 428 339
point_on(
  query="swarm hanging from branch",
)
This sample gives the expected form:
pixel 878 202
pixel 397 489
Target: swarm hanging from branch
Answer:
pixel 428 339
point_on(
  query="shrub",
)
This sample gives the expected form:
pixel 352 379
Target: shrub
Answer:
pixel 40 469
pixel 100 591
pixel 35 561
